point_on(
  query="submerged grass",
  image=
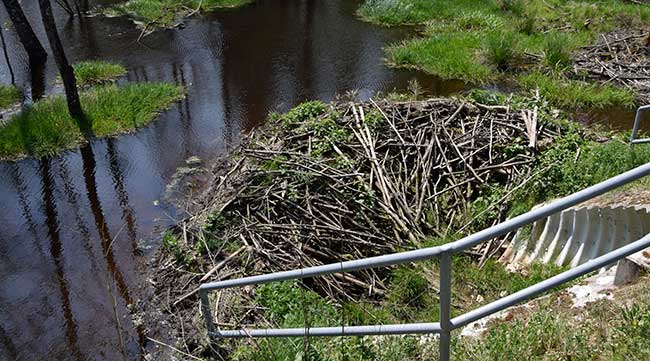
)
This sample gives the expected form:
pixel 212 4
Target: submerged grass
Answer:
pixel 165 12
pixel 47 128
pixel 97 72
pixel 9 95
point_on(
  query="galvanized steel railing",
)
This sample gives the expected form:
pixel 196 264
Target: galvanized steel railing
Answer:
pixel 637 123
pixel 444 253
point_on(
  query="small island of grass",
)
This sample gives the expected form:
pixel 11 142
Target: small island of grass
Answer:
pixel 9 95
pixel 47 128
pixel 97 72
pixel 163 13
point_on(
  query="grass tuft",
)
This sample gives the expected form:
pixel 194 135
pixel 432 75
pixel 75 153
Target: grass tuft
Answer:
pixel 47 128
pixel 557 53
pixel 502 49
pixel 9 95
pixel 97 72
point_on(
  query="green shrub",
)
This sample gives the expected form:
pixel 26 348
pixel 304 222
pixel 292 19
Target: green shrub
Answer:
pixel 407 288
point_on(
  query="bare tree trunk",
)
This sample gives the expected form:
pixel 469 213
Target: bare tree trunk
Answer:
pixel 67 73
pixel 4 51
pixel 35 50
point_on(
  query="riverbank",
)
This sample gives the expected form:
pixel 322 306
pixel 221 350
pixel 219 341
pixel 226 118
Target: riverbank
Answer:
pixel 330 182
pixel 530 43
pixel 46 128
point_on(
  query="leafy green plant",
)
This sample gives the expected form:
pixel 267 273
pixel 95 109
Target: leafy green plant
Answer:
pixel 171 244
pixel 302 113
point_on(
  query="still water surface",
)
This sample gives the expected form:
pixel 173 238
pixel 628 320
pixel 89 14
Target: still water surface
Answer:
pixel 77 229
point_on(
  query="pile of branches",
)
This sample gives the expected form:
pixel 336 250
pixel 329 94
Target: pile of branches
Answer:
pixel 620 57
pixel 362 179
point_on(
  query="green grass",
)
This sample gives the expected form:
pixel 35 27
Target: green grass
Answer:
pixel 572 94
pixel 448 55
pixel 9 95
pixel 411 297
pixel 47 128
pixel 603 331
pixel 396 12
pixel 165 12
pixel 97 72
pixel 468 40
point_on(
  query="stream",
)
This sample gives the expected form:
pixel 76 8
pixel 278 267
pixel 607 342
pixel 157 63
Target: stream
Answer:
pixel 78 229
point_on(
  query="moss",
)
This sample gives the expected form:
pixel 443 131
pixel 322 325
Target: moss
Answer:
pixel 97 72
pixel 47 128
pixel 9 95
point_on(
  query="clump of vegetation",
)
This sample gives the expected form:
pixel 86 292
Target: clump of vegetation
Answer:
pixel 9 95
pixel 47 128
pixel 165 12
pixel 556 51
pixel 502 49
pixel 172 245
pixel 97 72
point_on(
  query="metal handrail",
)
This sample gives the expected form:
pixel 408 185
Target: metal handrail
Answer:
pixel 637 124
pixel 445 253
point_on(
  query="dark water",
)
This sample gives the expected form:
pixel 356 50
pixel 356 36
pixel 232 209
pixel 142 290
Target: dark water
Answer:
pixel 77 229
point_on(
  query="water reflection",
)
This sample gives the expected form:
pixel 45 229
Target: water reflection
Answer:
pixel 72 255
pixel 56 251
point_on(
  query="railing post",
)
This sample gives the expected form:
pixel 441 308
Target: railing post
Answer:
pixel 445 306
pixel 207 311
pixel 637 123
